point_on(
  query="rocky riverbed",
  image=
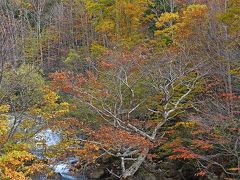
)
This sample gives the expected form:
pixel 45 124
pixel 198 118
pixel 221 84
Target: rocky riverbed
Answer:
pixel 61 168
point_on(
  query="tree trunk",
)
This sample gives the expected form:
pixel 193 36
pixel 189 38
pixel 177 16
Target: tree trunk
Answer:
pixel 135 166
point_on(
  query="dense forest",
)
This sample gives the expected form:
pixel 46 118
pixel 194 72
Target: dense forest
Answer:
pixel 120 89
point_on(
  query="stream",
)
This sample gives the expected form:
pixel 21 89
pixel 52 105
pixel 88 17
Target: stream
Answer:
pixel 61 168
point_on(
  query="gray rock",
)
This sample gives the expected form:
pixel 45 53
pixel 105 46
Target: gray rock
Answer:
pixel 97 173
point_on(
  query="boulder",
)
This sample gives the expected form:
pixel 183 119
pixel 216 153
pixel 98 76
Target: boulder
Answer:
pixel 97 173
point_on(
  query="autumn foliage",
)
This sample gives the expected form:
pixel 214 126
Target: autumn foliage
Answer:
pixel 131 88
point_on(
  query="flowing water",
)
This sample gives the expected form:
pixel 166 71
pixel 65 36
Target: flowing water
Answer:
pixel 62 168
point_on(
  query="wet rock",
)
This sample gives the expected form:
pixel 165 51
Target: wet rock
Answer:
pixel 70 176
pixel 73 160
